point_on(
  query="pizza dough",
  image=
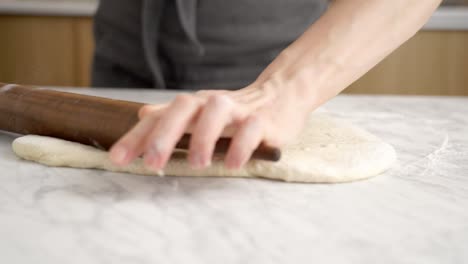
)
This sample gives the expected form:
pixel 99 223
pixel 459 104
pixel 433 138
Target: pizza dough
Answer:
pixel 327 151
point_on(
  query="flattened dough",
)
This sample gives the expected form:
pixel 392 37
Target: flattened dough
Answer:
pixel 327 151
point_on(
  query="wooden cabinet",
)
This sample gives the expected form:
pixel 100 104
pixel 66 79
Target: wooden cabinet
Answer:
pixel 57 51
pixel 45 50
pixel 431 63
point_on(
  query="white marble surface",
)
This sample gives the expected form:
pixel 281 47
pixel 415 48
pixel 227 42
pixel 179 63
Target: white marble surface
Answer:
pixel 448 18
pixel 415 213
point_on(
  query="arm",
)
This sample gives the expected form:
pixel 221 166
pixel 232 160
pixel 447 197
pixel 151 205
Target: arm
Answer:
pixel 347 41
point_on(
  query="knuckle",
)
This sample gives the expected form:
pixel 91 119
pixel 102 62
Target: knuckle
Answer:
pixel 151 117
pixel 128 140
pixel 255 120
pixel 220 100
pixel 184 99
pixel 145 110
pixel 203 92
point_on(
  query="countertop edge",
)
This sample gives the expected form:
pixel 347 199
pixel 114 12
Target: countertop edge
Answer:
pixel 48 8
pixel 448 18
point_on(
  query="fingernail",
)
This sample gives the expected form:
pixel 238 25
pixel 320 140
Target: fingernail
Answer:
pixel 154 155
pixel 205 163
pixel 195 161
pixel 119 154
pixel 233 164
pixel 198 162
pixel 152 158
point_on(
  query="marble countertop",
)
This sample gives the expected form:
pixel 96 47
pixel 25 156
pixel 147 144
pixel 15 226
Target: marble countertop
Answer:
pixel 415 213
pixel 445 18
pixel 448 18
pixel 48 7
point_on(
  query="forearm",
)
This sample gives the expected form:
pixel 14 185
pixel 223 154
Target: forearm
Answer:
pixel 346 42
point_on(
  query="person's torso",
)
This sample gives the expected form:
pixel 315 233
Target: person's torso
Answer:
pixel 238 38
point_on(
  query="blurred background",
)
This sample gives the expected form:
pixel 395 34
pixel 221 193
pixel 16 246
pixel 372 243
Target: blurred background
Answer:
pixel 50 43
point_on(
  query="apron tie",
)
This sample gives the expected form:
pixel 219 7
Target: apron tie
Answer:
pixel 151 22
pixel 187 12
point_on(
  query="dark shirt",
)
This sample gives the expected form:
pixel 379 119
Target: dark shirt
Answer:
pixel 194 44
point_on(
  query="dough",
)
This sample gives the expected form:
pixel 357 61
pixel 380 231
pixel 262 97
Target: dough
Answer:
pixel 327 151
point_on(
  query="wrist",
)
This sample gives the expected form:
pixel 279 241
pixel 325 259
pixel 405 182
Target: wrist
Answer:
pixel 297 89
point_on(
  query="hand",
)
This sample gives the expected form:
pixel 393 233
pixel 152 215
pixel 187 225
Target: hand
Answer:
pixel 326 59
pixel 258 113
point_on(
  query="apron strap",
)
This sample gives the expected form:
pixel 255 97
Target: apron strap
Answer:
pixel 152 13
pixel 151 21
pixel 187 11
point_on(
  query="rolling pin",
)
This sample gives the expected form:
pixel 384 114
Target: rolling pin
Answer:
pixel 89 120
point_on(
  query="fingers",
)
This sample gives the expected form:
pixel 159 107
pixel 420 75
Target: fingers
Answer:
pixel 216 114
pixel 169 129
pixel 245 141
pixel 148 109
pixel 131 145
pixel 209 93
pixel 206 117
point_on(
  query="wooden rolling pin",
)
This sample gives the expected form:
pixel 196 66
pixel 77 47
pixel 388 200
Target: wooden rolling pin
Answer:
pixel 89 120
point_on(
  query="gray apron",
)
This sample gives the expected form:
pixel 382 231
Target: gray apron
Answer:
pixel 194 44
